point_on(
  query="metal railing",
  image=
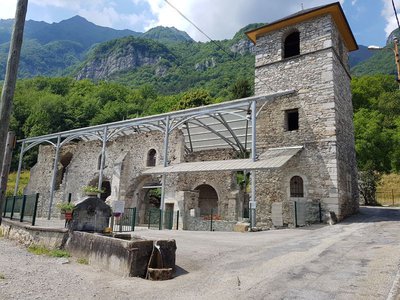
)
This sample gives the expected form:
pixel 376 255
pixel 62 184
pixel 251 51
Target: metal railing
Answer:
pixel 153 219
pixel 125 222
pixel 22 208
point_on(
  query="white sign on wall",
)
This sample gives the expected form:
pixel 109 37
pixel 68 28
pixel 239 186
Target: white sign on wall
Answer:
pixel 118 207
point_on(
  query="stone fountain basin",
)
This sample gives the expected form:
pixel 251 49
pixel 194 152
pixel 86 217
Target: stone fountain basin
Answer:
pixel 128 258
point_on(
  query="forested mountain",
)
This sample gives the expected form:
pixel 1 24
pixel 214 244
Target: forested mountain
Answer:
pixel 75 29
pixel 381 62
pixel 167 34
pixel 163 56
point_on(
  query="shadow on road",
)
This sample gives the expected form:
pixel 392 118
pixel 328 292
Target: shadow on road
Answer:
pixel 371 214
pixel 180 271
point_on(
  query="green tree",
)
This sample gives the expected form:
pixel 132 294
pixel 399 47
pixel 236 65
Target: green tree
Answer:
pixel 241 89
pixel 373 141
pixel 194 98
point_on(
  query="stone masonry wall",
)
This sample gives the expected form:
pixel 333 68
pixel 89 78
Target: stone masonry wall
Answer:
pixel 83 168
pixel 347 165
pixel 312 75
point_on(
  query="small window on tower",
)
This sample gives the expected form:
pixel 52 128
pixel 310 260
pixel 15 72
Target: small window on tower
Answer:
pixel 292 45
pixel 292 119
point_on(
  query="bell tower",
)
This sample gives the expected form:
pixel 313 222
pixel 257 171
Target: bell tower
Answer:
pixel 307 52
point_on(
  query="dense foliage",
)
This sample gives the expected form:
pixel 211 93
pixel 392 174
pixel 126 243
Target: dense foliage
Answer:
pixel 45 105
pixel 376 101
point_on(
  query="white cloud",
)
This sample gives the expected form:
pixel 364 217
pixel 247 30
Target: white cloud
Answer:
pixel 388 14
pixel 7 10
pixel 221 19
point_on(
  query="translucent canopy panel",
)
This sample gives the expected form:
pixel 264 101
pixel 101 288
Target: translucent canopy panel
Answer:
pixel 222 125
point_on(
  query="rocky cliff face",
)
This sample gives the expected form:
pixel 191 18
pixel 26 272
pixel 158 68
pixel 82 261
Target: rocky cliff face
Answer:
pixel 243 46
pixel 130 54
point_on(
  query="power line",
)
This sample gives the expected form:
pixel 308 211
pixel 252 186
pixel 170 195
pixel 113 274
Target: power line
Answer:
pixel 395 13
pixel 211 40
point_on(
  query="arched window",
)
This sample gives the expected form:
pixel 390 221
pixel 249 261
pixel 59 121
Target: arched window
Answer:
pixel 151 158
pixel 296 187
pixel 291 45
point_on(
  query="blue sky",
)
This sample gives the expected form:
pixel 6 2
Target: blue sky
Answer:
pixel 370 20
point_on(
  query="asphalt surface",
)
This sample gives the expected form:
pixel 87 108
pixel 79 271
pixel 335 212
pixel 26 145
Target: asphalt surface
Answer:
pixel 356 259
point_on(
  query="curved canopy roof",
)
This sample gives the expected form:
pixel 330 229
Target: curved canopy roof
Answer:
pixel 221 125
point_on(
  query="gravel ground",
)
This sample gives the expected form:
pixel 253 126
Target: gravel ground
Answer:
pixel 356 259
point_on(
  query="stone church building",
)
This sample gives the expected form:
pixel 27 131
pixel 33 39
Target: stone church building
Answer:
pixel 297 130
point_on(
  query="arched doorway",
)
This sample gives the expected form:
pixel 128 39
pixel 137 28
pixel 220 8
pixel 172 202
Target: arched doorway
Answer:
pixel 106 187
pixel 152 202
pixel 208 199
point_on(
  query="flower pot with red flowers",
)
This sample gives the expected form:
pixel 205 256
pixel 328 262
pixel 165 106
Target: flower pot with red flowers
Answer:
pixel 66 208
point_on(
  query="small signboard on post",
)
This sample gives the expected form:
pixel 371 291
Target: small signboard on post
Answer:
pixel 118 207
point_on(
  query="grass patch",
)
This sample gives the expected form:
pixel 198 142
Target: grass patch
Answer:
pixel 42 250
pixel 82 261
pixel 23 182
pixel 2 276
pixel 389 182
pixel 1 233
pixel 388 190
pixel 59 253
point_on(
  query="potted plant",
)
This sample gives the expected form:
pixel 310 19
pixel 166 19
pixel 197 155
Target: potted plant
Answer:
pixel 92 190
pixel 66 208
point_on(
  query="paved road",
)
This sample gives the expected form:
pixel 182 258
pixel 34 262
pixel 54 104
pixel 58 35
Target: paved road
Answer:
pixel 356 259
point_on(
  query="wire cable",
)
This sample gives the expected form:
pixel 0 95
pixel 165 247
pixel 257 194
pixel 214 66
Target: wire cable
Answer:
pixel 395 13
pixel 213 41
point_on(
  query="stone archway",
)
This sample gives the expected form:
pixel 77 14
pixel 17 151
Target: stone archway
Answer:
pixel 144 193
pixel 208 199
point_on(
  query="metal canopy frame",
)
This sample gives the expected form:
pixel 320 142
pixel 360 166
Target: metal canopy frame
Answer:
pixel 216 126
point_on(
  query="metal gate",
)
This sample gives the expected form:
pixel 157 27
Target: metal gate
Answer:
pixel 125 222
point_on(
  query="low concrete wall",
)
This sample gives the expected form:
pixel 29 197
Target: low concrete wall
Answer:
pixel 199 224
pixel 28 235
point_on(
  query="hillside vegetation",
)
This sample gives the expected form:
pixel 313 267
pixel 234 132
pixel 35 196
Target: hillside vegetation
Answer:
pixel 47 105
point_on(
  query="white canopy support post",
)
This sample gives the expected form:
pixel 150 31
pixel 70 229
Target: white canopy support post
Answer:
pixel 253 203
pixel 103 158
pixel 21 155
pixel 54 177
pixel 166 139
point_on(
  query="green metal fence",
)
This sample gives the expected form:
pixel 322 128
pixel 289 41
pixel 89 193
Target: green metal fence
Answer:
pixel 153 219
pixel 126 221
pixel 22 208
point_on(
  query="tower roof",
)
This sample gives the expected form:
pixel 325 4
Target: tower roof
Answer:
pixel 334 9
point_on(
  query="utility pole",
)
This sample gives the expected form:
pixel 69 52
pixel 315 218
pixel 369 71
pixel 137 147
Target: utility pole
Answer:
pixel 10 79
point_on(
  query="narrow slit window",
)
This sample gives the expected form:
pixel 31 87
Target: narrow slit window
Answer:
pixel 292 119
pixel 292 45
pixel 151 158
